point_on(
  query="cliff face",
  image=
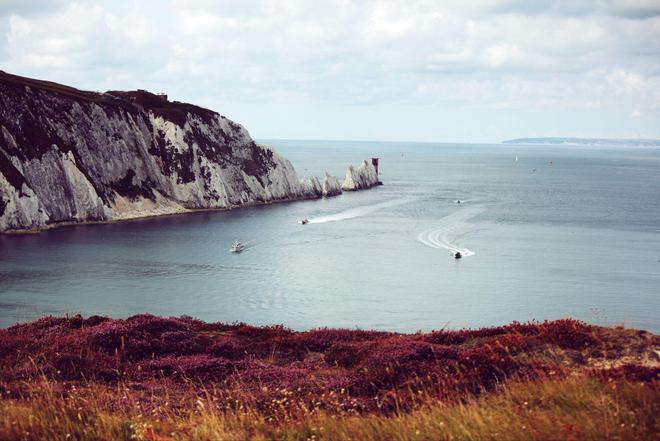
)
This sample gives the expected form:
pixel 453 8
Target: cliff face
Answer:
pixel 71 156
pixel 360 178
pixel 331 185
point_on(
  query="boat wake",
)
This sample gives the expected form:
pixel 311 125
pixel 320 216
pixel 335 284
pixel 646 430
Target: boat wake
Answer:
pixel 450 226
pixel 358 211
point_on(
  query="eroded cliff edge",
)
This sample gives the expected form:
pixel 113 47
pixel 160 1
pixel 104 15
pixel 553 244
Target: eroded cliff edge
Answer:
pixel 68 155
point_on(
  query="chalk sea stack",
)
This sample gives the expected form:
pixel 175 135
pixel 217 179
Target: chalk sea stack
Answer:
pixel 72 156
pixel 363 177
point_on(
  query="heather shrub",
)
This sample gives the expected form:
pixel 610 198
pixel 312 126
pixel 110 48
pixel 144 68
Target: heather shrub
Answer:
pixel 567 334
pixel 484 366
pixel 256 374
pixel 395 361
pixel 182 342
pixel 511 343
pixel 94 320
pixel 74 366
pixel 194 367
pixel 228 348
pixel 136 337
pixel 631 372
pixel 332 369
pixel 276 343
pixel 347 355
pixel 320 340
pixel 11 343
pixel 448 337
pixel 265 332
pixel 445 337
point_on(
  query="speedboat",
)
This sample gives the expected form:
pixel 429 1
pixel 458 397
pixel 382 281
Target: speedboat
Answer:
pixel 457 255
pixel 237 247
pixel 304 221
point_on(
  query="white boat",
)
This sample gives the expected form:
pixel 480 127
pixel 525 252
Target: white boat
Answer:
pixel 237 247
pixel 516 159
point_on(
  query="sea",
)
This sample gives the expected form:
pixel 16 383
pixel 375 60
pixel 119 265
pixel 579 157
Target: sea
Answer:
pixel 545 232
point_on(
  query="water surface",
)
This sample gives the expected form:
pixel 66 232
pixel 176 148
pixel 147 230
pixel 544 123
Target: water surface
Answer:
pixel 576 237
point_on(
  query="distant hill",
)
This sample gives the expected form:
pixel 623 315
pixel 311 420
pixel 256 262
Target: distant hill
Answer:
pixel 587 141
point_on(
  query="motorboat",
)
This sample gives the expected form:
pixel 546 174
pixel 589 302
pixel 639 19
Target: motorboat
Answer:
pixel 457 255
pixel 304 221
pixel 237 247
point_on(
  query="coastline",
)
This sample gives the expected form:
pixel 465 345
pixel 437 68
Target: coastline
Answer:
pixel 180 213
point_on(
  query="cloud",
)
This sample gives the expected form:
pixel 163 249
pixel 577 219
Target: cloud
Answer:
pixel 30 7
pixel 488 55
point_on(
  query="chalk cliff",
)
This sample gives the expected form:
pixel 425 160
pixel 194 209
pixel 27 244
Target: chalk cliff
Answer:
pixel 70 156
pixel 363 177
pixel 331 185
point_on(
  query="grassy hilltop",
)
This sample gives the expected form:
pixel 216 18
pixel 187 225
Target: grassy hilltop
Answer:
pixel 156 378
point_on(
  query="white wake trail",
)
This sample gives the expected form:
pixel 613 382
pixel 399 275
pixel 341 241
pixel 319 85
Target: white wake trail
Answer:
pixel 454 224
pixel 358 211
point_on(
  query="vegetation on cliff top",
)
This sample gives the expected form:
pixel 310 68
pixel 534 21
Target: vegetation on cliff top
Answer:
pixel 179 378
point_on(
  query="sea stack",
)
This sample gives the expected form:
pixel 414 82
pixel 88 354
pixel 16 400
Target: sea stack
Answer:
pixel 365 176
pixel 331 185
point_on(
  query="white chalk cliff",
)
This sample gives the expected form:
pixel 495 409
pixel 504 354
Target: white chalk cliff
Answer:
pixel 365 176
pixel 331 185
pixel 70 156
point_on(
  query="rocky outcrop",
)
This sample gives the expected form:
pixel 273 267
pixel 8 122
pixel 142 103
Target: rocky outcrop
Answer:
pixel 69 156
pixel 311 187
pixel 365 176
pixel 331 186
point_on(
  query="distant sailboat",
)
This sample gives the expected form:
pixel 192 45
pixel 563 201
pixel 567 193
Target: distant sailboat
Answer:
pixel 516 160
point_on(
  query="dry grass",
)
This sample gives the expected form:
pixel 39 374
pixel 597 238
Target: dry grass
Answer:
pixel 578 408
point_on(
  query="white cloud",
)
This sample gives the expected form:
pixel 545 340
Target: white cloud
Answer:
pixel 500 54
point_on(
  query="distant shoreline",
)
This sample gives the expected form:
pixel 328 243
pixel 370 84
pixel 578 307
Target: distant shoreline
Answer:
pixel 586 142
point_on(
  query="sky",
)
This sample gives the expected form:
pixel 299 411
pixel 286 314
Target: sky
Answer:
pixel 412 70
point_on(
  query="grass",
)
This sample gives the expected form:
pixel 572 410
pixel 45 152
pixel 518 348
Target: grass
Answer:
pixel 158 378
pixel 573 408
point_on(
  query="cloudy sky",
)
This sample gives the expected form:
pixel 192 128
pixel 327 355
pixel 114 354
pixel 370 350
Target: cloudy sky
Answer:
pixel 415 70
